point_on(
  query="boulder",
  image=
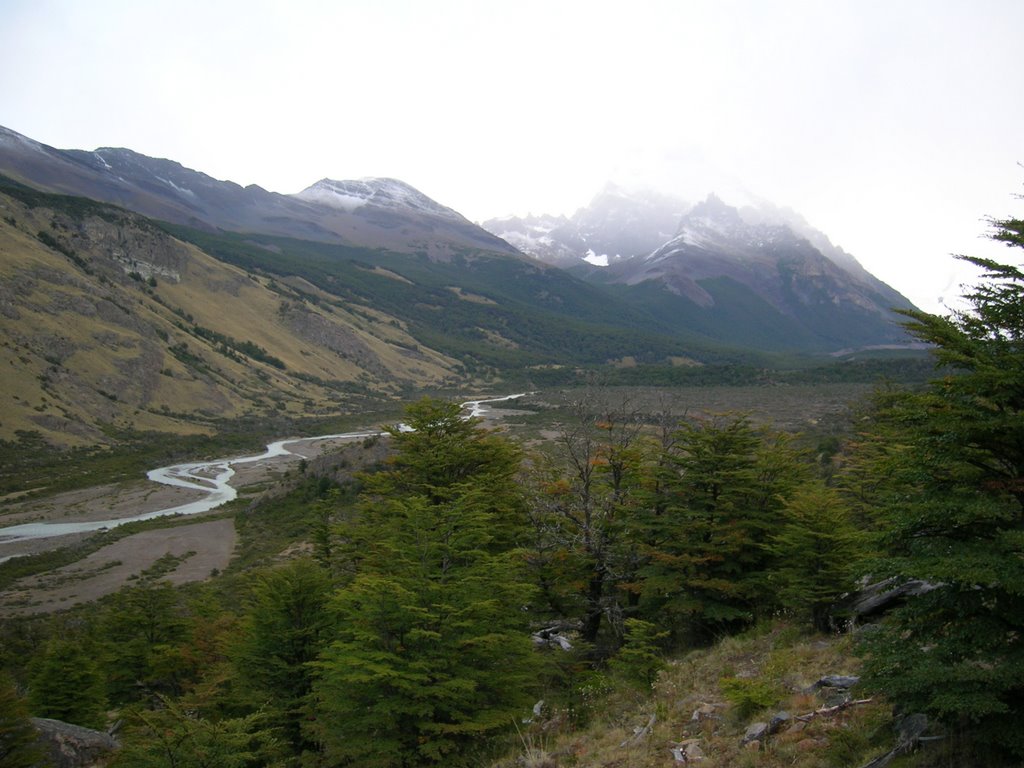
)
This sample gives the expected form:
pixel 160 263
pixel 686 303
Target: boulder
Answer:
pixel 875 599
pixel 687 752
pixel 755 732
pixel 551 637
pixel 778 721
pixel 835 681
pixel 704 711
pixel 72 746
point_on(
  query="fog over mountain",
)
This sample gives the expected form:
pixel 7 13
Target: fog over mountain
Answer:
pixel 680 258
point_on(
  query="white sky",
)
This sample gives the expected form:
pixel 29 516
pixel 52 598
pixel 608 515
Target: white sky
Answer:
pixel 894 126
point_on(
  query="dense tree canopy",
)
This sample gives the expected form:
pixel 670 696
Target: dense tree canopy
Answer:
pixel 285 629
pixel 432 654
pixel 723 489
pixel 952 514
pixel 18 748
pixel 407 641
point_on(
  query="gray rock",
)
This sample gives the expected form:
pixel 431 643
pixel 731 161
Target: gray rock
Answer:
pixel 687 752
pixel 755 732
pixel 779 720
pixel 836 681
pixel 703 712
pixel 876 599
pixel 693 752
pixel 72 746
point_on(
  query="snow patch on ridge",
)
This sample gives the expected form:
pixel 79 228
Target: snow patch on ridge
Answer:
pixel 171 184
pixel 376 192
pixel 332 197
pixel 7 136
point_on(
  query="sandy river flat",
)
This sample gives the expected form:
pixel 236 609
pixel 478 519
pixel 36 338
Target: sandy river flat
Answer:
pixel 201 546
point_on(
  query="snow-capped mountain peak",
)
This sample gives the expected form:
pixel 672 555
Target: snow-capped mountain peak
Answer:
pixel 376 192
pixel 617 224
pixel 713 224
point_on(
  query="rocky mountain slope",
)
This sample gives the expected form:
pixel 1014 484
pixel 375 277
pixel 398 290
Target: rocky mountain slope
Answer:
pixel 752 276
pixel 374 213
pixel 617 224
pixel 741 281
pixel 109 323
pixel 294 302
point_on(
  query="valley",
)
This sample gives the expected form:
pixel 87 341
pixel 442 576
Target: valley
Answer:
pixel 185 511
pixel 698 451
pixel 180 492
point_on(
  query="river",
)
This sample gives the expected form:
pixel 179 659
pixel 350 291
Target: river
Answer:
pixel 210 477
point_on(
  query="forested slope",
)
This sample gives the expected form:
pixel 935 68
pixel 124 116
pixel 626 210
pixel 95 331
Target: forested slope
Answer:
pixel 420 610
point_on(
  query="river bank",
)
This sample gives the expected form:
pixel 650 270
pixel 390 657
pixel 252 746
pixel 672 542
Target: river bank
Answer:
pixel 35 526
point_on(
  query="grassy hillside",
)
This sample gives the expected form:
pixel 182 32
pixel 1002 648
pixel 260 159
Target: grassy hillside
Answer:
pixel 701 704
pixel 111 325
pixel 107 323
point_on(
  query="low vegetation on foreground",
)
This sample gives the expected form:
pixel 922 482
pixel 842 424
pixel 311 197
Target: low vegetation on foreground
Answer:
pixel 652 590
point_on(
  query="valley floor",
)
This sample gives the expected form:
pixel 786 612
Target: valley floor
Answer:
pixel 184 553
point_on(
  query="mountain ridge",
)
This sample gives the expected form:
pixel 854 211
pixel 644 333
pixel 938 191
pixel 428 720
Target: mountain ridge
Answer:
pixel 108 323
pixel 480 309
pixel 729 272
pixel 169 191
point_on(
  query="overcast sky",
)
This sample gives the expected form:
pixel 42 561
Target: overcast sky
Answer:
pixel 894 126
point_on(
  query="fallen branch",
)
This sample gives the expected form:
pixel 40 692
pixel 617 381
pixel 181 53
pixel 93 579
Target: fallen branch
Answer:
pixel 908 739
pixel 824 711
pixel 639 733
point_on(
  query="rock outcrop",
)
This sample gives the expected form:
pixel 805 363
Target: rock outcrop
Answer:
pixel 72 746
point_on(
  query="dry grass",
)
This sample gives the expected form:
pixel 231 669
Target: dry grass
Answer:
pixel 83 348
pixel 693 714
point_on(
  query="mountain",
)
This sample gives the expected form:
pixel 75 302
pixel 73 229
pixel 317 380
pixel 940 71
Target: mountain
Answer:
pixel 755 276
pixel 617 224
pixel 762 283
pixel 109 323
pixel 371 213
pixel 190 300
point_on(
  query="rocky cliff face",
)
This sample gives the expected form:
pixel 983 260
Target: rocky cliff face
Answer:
pixel 107 322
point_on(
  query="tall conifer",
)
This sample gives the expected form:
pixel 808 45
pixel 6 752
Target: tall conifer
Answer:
pixel 432 654
pixel 953 516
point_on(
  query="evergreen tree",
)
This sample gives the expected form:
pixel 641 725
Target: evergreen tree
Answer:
pixel 705 538
pixel 953 511
pixel 282 634
pixel 175 736
pixel 818 553
pixel 18 746
pixel 432 652
pixel 143 630
pixel 640 658
pixel 66 684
